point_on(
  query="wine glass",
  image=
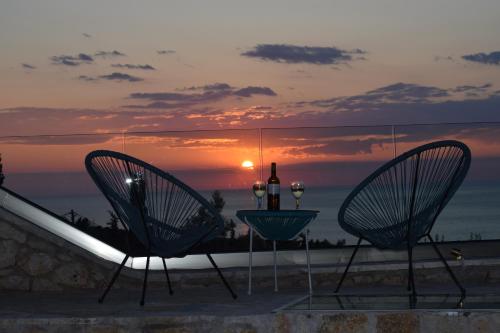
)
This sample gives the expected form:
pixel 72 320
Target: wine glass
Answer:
pixel 259 190
pixel 297 188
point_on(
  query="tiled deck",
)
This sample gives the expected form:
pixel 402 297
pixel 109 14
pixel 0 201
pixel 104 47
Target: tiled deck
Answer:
pixel 213 310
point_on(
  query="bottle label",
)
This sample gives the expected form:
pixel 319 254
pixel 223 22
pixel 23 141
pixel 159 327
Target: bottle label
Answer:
pixel 273 188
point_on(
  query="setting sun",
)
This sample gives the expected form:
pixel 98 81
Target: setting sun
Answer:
pixel 247 165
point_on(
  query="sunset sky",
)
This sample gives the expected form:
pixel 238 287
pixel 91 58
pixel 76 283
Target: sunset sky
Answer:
pixel 98 67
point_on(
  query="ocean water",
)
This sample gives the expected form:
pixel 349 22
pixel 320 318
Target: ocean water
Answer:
pixel 474 211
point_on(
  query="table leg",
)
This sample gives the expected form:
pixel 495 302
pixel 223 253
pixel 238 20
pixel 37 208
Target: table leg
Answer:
pixel 275 270
pixel 308 262
pixel 250 262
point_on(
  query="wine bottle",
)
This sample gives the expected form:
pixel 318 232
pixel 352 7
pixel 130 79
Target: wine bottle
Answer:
pixel 273 190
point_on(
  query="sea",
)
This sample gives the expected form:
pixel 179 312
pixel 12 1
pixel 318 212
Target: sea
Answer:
pixel 473 213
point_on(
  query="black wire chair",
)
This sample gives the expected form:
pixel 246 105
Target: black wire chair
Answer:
pixel 159 211
pixel 399 203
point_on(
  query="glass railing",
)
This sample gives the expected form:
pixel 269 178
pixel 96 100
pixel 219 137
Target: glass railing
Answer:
pixel 50 171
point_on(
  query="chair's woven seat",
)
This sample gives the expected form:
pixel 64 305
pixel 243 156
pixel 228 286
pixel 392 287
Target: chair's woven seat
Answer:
pixel 401 200
pixel 170 218
pixel 399 203
pixel 394 236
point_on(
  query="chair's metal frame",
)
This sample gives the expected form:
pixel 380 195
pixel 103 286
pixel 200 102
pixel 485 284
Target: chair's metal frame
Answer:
pixel 458 176
pixel 210 234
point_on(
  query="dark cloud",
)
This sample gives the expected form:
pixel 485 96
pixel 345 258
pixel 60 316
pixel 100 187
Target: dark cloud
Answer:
pixel 203 94
pixel 116 76
pixel 131 66
pixel 87 78
pixel 113 76
pixel 154 105
pixel 168 100
pixel 407 92
pixel 216 86
pixel 109 54
pixel 399 94
pixel 86 35
pixel 209 87
pixel 402 103
pixel 249 91
pixel 293 54
pixel 27 66
pixel 68 60
pixel 492 58
pixel 85 57
pixel 163 96
pixel 394 93
pixel 163 52
pixel 473 89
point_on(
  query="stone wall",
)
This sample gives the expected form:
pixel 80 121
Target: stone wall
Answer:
pixel 33 259
pixel 30 262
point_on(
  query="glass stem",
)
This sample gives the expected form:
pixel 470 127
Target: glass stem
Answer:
pixel 297 203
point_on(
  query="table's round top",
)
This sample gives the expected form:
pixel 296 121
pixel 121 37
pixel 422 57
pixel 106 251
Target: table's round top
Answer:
pixel 276 213
pixel 277 224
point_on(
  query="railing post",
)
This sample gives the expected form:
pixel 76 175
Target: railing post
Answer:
pixel 123 142
pixel 261 158
pixel 2 177
pixel 394 141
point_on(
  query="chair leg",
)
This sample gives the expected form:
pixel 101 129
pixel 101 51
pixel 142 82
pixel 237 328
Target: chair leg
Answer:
pixel 101 299
pixel 340 303
pixel 250 254
pixel 411 277
pixel 275 268
pixel 145 282
pixel 462 289
pixel 348 265
pixel 460 303
pixel 410 266
pixel 412 301
pixel 221 276
pixel 308 257
pixel 168 278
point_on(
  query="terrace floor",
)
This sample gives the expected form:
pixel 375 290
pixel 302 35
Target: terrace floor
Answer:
pixel 213 310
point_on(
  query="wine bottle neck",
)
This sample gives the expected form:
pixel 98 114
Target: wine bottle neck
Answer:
pixel 273 170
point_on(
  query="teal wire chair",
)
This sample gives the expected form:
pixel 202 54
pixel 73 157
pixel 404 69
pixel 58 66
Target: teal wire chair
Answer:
pixel 399 203
pixel 162 213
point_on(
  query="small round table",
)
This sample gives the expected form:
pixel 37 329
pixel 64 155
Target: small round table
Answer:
pixel 277 225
